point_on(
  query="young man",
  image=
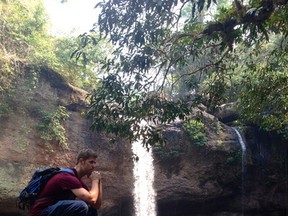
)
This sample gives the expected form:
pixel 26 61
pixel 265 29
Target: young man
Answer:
pixel 65 194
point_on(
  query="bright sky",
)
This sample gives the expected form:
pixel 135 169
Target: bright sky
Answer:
pixel 72 17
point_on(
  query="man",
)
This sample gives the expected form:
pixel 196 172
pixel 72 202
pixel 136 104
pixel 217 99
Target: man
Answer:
pixel 65 194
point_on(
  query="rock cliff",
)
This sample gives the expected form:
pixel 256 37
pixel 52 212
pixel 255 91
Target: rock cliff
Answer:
pixel 22 150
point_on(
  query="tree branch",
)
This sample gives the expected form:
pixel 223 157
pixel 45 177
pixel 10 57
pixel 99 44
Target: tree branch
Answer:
pixel 201 68
pixel 250 15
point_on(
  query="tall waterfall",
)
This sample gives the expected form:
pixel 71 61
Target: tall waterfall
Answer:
pixel 243 147
pixel 144 193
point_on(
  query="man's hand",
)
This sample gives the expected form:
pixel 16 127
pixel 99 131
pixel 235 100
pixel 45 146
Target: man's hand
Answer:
pixel 95 175
pixel 94 195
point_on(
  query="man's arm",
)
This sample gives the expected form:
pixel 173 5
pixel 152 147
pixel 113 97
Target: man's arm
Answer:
pixel 99 199
pixel 91 196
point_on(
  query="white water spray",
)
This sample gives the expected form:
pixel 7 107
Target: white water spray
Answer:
pixel 144 193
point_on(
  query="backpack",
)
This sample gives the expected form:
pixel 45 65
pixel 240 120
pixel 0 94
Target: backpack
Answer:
pixel 29 194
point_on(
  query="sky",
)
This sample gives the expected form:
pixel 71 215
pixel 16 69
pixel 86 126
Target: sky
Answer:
pixel 73 17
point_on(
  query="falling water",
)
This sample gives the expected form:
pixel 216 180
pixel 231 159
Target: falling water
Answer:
pixel 144 193
pixel 243 147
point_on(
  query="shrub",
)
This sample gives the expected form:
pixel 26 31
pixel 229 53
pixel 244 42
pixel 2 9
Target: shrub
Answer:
pixel 165 153
pixel 50 126
pixel 196 131
pixel 234 157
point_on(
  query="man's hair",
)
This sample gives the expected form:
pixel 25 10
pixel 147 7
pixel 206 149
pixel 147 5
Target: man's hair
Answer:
pixel 85 154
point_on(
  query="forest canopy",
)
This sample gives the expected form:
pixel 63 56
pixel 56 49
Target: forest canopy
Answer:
pixel 171 55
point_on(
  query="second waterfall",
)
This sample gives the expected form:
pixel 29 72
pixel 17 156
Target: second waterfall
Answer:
pixel 144 193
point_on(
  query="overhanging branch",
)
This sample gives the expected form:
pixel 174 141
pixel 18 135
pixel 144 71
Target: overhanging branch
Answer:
pixel 241 15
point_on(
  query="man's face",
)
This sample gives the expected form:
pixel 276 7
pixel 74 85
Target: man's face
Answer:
pixel 88 165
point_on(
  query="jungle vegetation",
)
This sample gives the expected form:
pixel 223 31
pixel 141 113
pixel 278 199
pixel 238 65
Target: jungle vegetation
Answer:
pixel 25 40
pixel 160 58
pixel 171 55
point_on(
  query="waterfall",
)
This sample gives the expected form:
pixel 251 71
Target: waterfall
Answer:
pixel 144 193
pixel 243 147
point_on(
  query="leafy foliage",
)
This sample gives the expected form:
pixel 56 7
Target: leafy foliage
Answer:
pixel 22 24
pixel 78 59
pixel 4 109
pixel 264 98
pixel 51 128
pixel 120 110
pixel 165 47
pixel 165 153
pixel 196 131
pixel 24 40
pixel 21 38
pixel 234 157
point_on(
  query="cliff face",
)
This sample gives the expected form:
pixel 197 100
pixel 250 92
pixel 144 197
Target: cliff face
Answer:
pixel 220 178
pixel 22 150
pixel 203 178
pixel 194 180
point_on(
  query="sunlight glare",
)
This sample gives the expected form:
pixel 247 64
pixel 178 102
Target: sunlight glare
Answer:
pixel 73 17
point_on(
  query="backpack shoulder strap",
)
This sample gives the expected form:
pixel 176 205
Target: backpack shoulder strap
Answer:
pixel 67 170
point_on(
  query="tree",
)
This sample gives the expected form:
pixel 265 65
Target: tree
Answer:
pixel 263 100
pixel 82 70
pixel 155 39
pixel 24 40
pixel 23 37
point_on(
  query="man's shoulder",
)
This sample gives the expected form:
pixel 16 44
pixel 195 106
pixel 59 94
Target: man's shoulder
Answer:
pixel 63 180
pixel 68 179
pixel 64 176
pixel 68 170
